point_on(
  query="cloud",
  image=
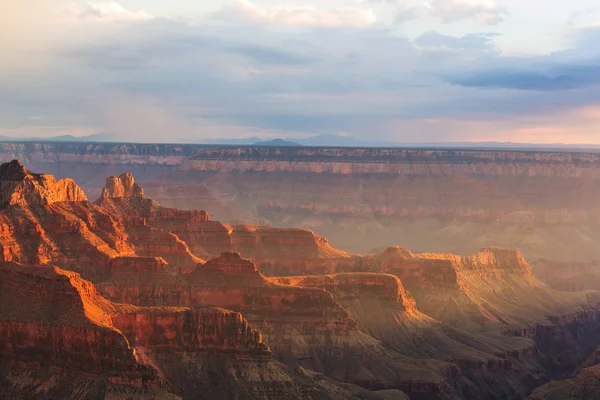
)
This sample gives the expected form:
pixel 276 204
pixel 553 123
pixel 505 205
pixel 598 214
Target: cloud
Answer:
pixel 26 27
pixel 482 11
pixel 306 16
pixel 405 10
pixel 268 55
pixel 472 41
pixel 104 12
pixel 166 80
pixel 568 77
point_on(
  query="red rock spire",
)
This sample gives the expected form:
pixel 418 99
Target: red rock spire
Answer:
pixel 122 186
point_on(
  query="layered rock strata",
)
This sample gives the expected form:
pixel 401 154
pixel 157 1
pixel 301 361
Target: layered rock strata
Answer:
pixel 542 202
pixel 60 339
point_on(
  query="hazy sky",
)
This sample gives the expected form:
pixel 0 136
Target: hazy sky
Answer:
pixel 401 70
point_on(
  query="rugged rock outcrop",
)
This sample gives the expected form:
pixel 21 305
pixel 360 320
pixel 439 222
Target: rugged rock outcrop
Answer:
pixel 60 339
pixel 272 248
pixel 300 324
pixel 122 186
pixel 486 288
pixel 45 221
pixel 18 186
pixel 53 325
pixel 232 282
pixel 203 330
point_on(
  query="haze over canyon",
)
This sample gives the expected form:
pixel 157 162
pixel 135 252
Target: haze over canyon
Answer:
pixel 204 272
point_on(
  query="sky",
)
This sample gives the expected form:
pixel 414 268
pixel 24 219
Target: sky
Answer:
pixel 407 71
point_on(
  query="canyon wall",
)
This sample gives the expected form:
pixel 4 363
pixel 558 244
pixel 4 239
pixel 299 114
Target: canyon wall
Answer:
pixel 265 313
pixel 568 276
pixel 543 203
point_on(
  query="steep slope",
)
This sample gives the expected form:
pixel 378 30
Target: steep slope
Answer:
pixel 492 287
pixel 584 384
pixel 57 339
pixel 60 339
pixel 382 307
pixel 268 246
pixel 300 325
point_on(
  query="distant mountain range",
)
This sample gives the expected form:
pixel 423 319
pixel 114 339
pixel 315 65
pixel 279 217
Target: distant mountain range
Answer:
pixel 323 141
pixel 97 137
pixel 276 142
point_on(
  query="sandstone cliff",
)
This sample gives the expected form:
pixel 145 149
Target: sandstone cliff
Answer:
pixel 270 247
pixel 54 325
pixel 18 186
pixel 122 186
pixel 45 221
pixel 60 339
pixel 485 288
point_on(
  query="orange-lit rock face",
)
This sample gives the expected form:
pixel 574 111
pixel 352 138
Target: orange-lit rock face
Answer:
pixel 230 268
pixel 122 186
pixel 235 283
pixel 57 330
pixel 383 308
pixel 49 315
pixel 272 248
pixel 353 285
pixel 18 186
pixel 74 234
pixel 45 221
pixel 205 330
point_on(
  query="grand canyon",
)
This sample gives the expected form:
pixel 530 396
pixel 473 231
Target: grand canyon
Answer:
pixel 155 271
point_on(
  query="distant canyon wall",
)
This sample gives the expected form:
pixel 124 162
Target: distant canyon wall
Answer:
pixel 543 203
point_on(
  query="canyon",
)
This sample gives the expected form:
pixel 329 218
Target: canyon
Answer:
pixel 363 200
pixel 136 296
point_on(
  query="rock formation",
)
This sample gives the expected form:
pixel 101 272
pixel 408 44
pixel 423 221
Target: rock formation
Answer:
pixel 320 342
pixel 586 385
pixel 60 339
pixel 270 247
pixel 122 186
pixel 18 186
pixel 544 203
pixel 156 302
